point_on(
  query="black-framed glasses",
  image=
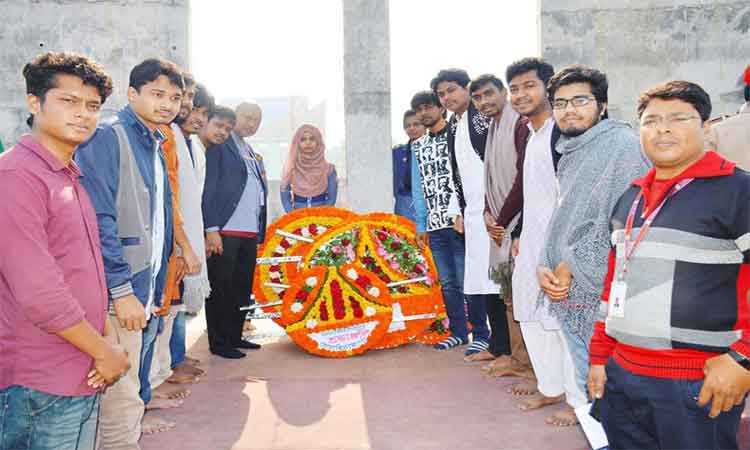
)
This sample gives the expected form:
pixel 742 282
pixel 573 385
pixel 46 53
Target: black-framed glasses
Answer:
pixel 578 101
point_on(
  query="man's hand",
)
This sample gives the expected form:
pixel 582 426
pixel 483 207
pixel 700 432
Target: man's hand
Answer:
pixel 597 379
pixel 180 268
pixel 551 285
pixel 563 273
pixel 214 245
pixel 515 248
pixel 130 313
pixel 496 232
pixel 108 367
pixel 423 240
pixel 192 263
pixel 725 385
pixel 458 224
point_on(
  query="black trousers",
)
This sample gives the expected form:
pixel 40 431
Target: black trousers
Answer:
pixel 231 278
pixel 498 318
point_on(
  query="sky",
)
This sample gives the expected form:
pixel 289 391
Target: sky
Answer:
pixel 270 48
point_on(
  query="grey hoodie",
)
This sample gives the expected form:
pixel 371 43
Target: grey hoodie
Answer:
pixel 595 170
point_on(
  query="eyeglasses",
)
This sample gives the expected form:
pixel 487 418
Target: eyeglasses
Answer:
pixel 578 101
pixel 678 120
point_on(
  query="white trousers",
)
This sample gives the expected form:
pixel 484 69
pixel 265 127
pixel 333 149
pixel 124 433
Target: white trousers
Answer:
pixel 161 365
pixel 553 365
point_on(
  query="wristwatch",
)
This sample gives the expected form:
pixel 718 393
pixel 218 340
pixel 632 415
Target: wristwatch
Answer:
pixel 740 358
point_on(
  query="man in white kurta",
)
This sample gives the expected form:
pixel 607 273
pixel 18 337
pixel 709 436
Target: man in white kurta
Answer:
pixel 542 334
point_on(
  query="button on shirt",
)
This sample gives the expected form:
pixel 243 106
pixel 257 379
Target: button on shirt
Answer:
pixel 51 271
pixel 157 225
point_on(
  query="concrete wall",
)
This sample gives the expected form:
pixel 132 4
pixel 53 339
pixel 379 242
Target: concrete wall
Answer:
pixel 367 97
pixel 118 34
pixel 639 43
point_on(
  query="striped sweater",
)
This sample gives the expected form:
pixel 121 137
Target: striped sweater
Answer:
pixel 687 280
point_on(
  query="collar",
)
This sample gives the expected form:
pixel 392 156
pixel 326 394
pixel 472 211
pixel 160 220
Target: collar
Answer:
pixel 130 118
pixel 547 123
pixel 440 131
pixel 30 143
pixel 712 165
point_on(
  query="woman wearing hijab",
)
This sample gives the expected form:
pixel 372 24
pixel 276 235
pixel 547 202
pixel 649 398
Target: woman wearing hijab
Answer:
pixel 308 179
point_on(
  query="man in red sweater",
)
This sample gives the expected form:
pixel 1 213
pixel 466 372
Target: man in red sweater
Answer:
pixel 669 355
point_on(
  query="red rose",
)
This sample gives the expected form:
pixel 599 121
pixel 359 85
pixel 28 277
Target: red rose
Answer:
pixel 313 228
pixel 302 295
pixel 382 236
pixel 275 268
pixel 406 255
pixel 368 260
pixel 285 244
pixel 323 311
pixel 298 232
pixel 395 246
pixel 345 242
pixel 377 269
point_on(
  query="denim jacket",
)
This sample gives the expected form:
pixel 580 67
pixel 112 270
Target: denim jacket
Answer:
pixel 99 160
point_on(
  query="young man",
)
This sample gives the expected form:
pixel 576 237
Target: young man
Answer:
pixel 467 134
pixel 51 324
pixel 599 159
pixel 401 155
pixel 503 180
pixel 527 81
pixel 673 327
pixel 234 215
pixel 192 166
pixel 218 128
pixel 731 137
pixel 126 177
pixel 432 188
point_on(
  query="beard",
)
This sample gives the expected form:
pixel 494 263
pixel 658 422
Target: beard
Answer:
pixel 429 123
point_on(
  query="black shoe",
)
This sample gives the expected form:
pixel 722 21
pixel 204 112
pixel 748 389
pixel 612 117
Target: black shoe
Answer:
pixel 247 345
pixel 229 353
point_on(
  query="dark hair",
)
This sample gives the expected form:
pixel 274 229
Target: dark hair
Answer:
pixel 408 113
pixel 578 73
pixel 41 74
pixel 151 69
pixel 678 90
pixel 481 80
pixel 544 70
pixel 188 79
pixel 203 99
pixel 425 98
pixel 222 112
pixel 458 76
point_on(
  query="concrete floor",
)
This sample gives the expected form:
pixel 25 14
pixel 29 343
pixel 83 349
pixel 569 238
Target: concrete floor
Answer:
pixel 409 398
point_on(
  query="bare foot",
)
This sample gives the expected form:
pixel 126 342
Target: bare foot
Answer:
pixel 564 418
pixel 191 361
pixel 181 378
pixel 538 400
pixel 497 363
pixel 163 403
pixel 153 425
pixel 523 388
pixel 170 391
pixel 187 369
pixel 484 355
pixel 248 327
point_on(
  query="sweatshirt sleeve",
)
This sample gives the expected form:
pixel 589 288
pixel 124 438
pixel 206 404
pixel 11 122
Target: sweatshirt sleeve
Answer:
pixel 603 345
pixel 742 231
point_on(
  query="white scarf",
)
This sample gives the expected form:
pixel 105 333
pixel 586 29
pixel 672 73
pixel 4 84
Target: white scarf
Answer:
pixel 196 286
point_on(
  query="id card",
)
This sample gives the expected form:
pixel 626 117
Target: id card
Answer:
pixel 617 296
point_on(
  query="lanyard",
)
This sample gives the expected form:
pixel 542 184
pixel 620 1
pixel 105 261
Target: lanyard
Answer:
pixel 630 247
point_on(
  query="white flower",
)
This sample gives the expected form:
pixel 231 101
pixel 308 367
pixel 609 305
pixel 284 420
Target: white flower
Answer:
pixel 306 232
pixel 375 292
pixel 312 323
pixel 280 249
pixel 351 273
pixel 322 229
pixel 370 311
pixel 296 307
pixel 311 281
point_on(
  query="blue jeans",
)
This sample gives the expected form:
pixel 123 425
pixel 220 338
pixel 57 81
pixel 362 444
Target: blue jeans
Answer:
pixel 35 420
pixel 448 251
pixel 404 207
pixel 661 413
pixel 147 356
pixel 177 341
pixel 579 352
pixel 477 306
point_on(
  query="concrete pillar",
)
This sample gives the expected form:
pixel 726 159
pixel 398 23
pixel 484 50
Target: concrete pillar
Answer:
pixel 117 34
pixel 640 43
pixel 367 100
